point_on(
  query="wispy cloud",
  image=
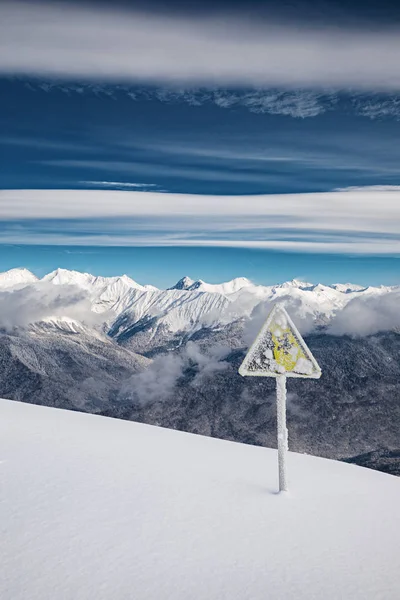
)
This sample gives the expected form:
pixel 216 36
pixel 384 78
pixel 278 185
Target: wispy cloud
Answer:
pixel 361 221
pixel 154 169
pixel 78 41
pixel 47 144
pixel 298 103
pixel 295 102
pixel 159 380
pixel 370 188
pixel 217 167
pixel 119 185
pixel 378 107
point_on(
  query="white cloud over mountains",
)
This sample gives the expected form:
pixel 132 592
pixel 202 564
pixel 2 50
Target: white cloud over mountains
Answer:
pixel 366 316
pixel 355 221
pixel 29 304
pixel 78 41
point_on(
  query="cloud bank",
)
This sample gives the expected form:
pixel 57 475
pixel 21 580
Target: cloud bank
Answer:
pixel 77 41
pixel 355 221
pixel 366 316
pixel 22 307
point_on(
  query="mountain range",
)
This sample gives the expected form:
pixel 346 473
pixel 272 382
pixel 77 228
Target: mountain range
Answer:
pixel 112 346
pixel 190 305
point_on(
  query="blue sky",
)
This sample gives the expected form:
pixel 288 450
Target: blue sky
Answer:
pixel 225 141
pixel 164 267
pixel 305 106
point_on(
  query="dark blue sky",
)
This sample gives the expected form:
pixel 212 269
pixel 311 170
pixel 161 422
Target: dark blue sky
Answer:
pixel 333 11
pixel 221 141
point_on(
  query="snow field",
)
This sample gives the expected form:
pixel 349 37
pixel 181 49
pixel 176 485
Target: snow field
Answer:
pixel 96 508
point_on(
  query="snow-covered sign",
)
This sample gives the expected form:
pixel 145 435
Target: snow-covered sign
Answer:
pixel 279 351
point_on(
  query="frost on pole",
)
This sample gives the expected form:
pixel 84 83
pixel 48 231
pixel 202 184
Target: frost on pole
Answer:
pixel 279 351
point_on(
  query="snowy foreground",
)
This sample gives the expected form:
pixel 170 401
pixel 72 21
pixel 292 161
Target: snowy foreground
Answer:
pixel 100 509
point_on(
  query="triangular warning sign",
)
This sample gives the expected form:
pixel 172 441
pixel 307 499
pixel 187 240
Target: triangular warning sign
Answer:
pixel 279 349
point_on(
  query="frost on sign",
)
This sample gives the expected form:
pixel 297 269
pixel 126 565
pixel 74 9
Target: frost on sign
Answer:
pixel 279 349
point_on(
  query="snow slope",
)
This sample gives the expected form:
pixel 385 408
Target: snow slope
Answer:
pixel 95 508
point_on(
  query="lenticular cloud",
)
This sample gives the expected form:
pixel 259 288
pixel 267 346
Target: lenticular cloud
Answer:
pixel 353 222
pixel 75 41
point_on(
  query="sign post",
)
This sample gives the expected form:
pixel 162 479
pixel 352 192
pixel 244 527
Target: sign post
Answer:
pixel 282 431
pixel 279 351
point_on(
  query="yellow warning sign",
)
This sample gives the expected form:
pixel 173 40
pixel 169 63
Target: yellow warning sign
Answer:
pixel 279 349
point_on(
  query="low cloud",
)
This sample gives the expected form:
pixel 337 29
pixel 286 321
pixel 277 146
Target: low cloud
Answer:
pixel 366 316
pixel 158 382
pixel 360 317
pixel 75 40
pixel 206 364
pixel 22 307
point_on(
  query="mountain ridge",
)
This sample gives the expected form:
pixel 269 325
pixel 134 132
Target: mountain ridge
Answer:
pixel 124 305
pixel 70 276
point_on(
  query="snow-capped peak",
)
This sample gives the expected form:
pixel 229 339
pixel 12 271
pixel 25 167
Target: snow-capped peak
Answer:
pixel 183 284
pixel 16 277
pixel 66 277
pixel 296 283
pixel 228 287
pixel 88 281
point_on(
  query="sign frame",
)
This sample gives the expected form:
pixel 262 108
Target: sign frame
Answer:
pixel 316 374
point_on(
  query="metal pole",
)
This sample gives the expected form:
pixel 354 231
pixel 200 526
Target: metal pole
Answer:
pixel 282 430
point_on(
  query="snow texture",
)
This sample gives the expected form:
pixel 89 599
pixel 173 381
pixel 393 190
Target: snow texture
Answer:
pixel 95 508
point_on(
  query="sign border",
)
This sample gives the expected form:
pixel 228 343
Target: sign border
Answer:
pixel 245 373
